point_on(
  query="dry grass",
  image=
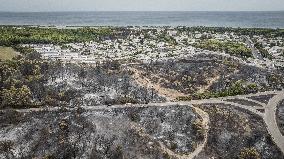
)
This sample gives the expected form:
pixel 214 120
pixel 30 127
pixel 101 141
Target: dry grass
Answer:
pixel 168 93
pixel 7 53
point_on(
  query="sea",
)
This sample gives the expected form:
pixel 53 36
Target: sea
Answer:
pixel 247 19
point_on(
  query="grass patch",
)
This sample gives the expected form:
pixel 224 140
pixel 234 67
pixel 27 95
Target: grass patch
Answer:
pixel 7 53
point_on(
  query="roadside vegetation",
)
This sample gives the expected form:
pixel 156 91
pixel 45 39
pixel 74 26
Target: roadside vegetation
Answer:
pixel 237 88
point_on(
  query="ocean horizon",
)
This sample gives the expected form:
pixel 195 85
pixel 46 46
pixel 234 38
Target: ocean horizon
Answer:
pixel 247 19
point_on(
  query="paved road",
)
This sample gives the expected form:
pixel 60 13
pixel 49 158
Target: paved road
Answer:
pixel 256 54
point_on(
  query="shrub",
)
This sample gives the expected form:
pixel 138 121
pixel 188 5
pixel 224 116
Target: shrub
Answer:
pixel 249 153
pixel 198 129
pixel 184 98
pixel 16 97
pixel 237 88
pixel 134 116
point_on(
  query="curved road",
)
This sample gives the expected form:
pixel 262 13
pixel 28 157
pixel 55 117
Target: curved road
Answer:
pixel 270 120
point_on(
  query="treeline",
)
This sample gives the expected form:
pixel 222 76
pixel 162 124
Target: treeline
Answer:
pixel 232 48
pixel 267 32
pixel 10 36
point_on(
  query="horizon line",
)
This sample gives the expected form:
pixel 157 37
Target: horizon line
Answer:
pixel 144 11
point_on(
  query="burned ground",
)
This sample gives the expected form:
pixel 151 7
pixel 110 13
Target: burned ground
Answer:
pixel 202 73
pixel 139 132
pixel 175 126
pixel 108 133
pixel 96 85
pixel 244 102
pixel 262 98
pixel 233 130
pixel 280 117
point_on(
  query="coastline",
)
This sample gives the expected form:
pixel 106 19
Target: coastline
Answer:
pixel 132 26
pixel 237 19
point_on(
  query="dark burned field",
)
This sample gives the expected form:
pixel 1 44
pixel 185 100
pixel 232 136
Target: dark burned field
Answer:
pixel 209 73
pixel 109 133
pixel 280 116
pixel 233 130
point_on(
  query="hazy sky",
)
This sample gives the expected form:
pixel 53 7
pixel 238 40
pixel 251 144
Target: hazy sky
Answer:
pixel 141 5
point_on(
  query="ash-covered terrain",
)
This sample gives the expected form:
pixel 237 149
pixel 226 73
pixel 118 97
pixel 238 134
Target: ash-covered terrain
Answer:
pixel 206 75
pixel 235 131
pixel 280 116
pixel 133 132
pixel 90 85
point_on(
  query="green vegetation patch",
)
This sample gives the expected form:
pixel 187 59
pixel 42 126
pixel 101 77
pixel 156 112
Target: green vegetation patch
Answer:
pixel 18 81
pixel 237 88
pixel 10 36
pixel 7 53
pixel 232 48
